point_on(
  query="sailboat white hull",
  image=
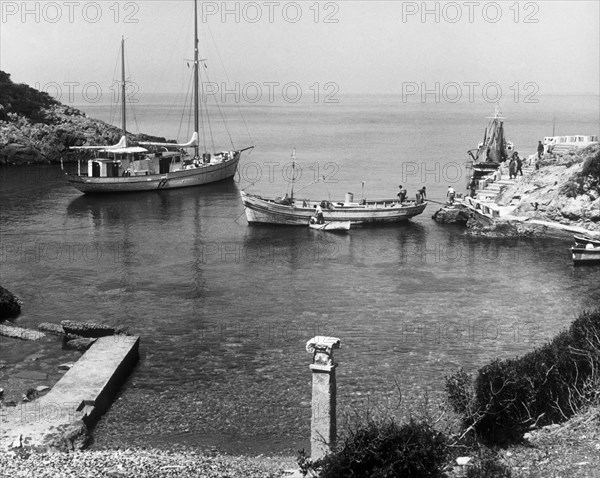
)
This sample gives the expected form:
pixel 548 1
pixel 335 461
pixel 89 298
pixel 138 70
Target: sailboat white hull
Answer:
pixel 123 168
pixel 204 174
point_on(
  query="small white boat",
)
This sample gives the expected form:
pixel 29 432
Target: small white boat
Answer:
pixel 587 254
pixel 337 226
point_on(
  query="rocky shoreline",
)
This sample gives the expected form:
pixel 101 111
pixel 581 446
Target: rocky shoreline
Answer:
pixel 559 197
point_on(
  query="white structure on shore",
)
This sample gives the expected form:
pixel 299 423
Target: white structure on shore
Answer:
pixel 565 143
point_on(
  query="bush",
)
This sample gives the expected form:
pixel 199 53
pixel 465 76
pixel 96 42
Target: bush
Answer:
pixel 488 465
pixel 545 386
pixel 588 179
pixel 22 100
pixel 384 449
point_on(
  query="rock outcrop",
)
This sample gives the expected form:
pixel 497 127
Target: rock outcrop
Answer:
pixel 34 128
pixel 87 329
pixel 451 215
pixel 564 191
pixel 10 304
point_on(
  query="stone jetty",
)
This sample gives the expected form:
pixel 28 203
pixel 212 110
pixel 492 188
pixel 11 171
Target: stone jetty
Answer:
pixel 60 420
pixel 557 196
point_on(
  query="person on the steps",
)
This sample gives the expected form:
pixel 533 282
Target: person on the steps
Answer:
pixel 451 194
pixel 519 164
pixel 473 188
pixel 512 168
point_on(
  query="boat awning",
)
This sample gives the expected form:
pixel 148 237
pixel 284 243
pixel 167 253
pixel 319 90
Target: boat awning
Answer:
pixel 132 149
pixel 190 144
pixel 121 144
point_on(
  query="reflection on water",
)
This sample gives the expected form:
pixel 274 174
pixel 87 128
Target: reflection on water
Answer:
pixel 224 310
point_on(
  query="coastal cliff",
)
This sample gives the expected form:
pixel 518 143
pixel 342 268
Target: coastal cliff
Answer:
pixel 563 190
pixel 36 129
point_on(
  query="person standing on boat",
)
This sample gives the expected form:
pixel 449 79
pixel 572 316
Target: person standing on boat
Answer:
pixel 319 213
pixel 401 194
pixel 421 195
pixel 451 194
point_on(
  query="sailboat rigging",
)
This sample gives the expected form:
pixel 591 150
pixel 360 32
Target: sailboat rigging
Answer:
pixel 153 165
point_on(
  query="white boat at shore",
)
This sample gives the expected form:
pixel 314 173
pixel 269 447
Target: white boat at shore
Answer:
pixel 297 212
pixel 587 254
pixel 154 166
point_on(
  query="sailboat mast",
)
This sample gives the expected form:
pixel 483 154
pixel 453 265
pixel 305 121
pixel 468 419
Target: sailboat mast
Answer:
pixel 293 171
pixel 123 112
pixel 196 82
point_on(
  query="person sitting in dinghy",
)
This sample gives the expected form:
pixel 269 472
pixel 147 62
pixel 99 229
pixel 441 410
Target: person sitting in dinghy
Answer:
pixel 319 214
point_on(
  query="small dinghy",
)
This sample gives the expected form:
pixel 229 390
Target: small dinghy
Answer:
pixel 334 226
pixel 587 254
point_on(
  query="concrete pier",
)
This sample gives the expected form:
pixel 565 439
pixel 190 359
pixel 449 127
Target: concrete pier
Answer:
pixel 60 419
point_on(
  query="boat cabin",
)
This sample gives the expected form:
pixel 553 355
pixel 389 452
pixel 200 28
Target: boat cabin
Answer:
pixel 135 161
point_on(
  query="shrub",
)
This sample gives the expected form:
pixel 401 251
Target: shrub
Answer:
pixel 461 395
pixel 384 449
pixel 588 179
pixel 488 465
pixel 22 100
pixel 545 386
pixel 591 166
pixel 572 187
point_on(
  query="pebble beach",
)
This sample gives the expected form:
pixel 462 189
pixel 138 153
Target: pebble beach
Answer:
pixel 140 463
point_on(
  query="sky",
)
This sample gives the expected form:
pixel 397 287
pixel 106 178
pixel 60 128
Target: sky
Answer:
pixel 337 47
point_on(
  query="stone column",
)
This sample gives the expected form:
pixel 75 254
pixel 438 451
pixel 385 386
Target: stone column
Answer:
pixel 323 420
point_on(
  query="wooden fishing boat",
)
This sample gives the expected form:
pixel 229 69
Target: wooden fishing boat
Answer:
pixel 297 212
pixel 291 211
pixel 332 226
pixel 585 254
pixel 584 240
pixel 150 165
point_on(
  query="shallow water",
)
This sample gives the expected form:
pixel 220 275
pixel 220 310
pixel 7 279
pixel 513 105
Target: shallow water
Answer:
pixel 224 310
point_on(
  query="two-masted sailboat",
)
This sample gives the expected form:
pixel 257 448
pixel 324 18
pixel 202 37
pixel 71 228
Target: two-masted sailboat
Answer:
pixel 154 166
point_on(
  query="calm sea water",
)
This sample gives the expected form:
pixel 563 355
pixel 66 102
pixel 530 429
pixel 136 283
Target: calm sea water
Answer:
pixel 224 310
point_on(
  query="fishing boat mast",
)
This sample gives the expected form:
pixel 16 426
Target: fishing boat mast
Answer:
pixel 293 171
pixel 196 79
